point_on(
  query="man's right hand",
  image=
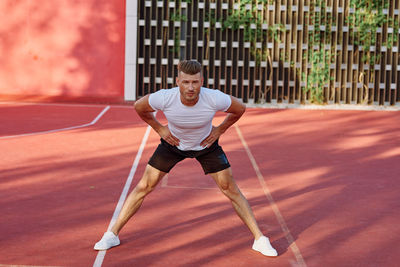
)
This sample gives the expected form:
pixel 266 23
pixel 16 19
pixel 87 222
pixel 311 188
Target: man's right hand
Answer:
pixel 165 134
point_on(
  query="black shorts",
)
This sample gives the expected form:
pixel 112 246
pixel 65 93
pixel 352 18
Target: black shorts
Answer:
pixel 212 159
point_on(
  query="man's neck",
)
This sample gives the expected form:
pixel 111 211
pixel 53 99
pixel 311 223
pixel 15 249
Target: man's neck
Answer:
pixel 189 103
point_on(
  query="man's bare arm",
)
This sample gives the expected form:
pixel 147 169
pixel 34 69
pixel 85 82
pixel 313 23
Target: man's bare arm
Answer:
pixel 235 111
pixel 145 111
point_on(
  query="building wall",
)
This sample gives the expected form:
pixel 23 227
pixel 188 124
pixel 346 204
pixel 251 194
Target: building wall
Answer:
pixel 62 49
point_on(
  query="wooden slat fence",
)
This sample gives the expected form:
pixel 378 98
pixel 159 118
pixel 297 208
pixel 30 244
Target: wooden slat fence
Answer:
pixel 284 50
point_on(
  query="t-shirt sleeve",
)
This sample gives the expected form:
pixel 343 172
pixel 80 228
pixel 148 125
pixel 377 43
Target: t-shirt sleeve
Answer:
pixel 156 100
pixel 224 101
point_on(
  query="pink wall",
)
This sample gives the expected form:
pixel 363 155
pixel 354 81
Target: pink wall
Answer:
pixel 62 49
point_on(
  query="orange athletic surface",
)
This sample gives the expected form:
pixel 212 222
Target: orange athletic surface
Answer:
pixel 333 176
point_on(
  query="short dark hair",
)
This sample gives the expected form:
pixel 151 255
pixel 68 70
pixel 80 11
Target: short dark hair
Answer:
pixel 190 67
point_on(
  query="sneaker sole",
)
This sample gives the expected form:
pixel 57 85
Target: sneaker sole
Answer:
pixel 106 248
pixel 271 256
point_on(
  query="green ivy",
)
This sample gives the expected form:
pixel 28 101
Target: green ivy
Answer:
pixel 364 21
pixel 176 16
pixel 319 75
pixel 251 21
pixel 320 59
pixel 365 18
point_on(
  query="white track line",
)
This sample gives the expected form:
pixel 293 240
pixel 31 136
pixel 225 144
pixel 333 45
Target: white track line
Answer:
pixel 64 104
pixel 278 214
pixel 101 254
pixel 62 129
pixel 13 265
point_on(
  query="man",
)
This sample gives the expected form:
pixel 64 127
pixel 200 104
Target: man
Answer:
pixel 189 109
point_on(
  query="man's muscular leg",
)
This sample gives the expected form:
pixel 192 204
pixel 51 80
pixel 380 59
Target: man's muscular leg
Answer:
pixel 146 185
pixel 150 179
pixel 227 185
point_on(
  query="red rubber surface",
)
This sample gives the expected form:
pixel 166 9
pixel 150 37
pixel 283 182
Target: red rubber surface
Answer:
pixel 333 176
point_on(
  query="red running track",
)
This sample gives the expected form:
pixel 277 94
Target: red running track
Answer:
pixel 326 192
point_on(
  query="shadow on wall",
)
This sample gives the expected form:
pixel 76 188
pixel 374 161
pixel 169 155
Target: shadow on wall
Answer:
pixel 62 49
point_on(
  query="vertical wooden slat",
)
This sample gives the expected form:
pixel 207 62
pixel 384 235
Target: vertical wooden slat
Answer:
pixel 355 94
pixel 262 67
pixel 158 46
pixel 211 44
pixel 378 70
pixel 341 52
pixel 325 40
pixel 140 45
pixel 217 54
pixel 350 81
pixel 305 46
pixel 194 40
pixel 292 21
pixel 333 39
pixel 245 69
pixel 384 86
pixel 275 52
pixel 396 56
pixel 285 52
pixel 240 69
pixel 235 58
pixel 201 39
pixel 388 57
pixel 254 83
pixel 182 29
pixel 301 24
pixel 279 57
pixel 346 90
pixel 268 71
pixel 206 36
pixel 147 30
pixel 171 43
pixel 186 28
pixel 336 42
pixel 223 67
pixel 164 46
pixel 152 46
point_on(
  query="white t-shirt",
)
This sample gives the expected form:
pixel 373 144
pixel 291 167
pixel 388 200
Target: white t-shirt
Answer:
pixel 190 124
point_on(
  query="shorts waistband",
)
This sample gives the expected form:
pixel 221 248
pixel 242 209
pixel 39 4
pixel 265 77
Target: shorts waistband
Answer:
pixel 190 153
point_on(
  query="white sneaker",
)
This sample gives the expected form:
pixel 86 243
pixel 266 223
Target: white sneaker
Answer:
pixel 108 240
pixel 263 246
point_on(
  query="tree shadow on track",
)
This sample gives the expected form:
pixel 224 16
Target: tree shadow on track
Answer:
pixel 60 188
pixel 205 234
pixel 333 175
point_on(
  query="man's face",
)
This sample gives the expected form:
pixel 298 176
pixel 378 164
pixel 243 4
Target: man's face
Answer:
pixel 189 87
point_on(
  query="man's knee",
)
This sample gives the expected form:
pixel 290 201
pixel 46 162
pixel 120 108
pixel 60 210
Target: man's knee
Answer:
pixel 149 180
pixel 144 187
pixel 226 183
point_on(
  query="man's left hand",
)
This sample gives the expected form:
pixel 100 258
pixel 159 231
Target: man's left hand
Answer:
pixel 212 137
